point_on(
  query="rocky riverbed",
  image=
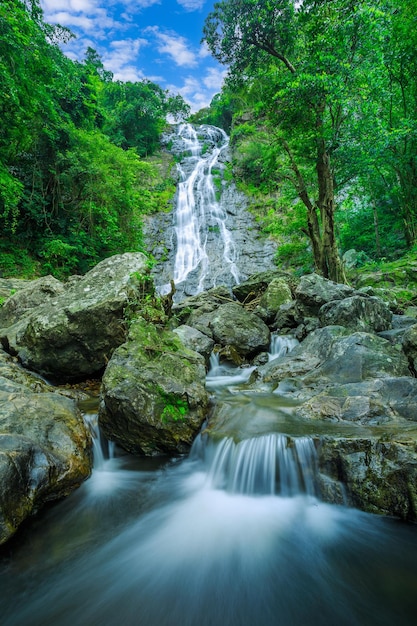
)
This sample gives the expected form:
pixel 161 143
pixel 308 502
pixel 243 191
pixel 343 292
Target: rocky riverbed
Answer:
pixel 350 383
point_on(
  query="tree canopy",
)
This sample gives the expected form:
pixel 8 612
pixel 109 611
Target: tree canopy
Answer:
pixel 324 100
pixel 72 185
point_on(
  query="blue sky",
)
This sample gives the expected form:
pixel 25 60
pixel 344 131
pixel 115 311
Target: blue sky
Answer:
pixel 136 39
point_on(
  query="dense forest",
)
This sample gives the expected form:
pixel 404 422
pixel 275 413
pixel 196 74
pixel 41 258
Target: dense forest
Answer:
pixel 320 102
pixel 74 181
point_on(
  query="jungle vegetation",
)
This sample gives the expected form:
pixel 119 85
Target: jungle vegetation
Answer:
pixel 320 102
pixel 74 180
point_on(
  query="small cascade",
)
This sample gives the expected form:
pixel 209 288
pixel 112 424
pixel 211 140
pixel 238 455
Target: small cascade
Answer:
pixel 223 374
pixel 103 450
pixel 273 464
pixel 205 251
pixel 281 345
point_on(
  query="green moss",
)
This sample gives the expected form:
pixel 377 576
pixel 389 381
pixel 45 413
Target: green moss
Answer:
pixel 175 410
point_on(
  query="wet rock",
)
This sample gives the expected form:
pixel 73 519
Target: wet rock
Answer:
pixel 276 294
pixel 409 344
pixel 256 284
pixel 195 340
pixel 45 448
pixel 153 395
pixel 379 476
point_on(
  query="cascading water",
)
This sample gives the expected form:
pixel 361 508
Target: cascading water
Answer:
pixel 235 535
pixel 205 252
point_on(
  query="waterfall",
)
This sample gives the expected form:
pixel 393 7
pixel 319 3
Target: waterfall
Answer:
pixel 269 465
pixel 281 345
pixel 198 208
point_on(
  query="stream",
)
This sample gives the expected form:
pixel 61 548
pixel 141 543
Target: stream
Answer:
pixel 233 535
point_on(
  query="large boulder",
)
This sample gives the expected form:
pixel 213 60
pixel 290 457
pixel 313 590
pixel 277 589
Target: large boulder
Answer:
pixel 232 325
pixel 379 475
pixel 369 314
pixel 257 284
pixel 153 394
pixel 73 334
pixel 45 448
pixel 34 294
pixel 333 355
pixel 313 291
pixel 196 340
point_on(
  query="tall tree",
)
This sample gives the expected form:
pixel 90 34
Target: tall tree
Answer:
pixel 313 56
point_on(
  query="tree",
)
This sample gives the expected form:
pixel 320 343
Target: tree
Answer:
pixel 309 59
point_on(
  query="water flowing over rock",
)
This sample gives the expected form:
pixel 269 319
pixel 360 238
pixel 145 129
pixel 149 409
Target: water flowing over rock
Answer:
pixel 212 239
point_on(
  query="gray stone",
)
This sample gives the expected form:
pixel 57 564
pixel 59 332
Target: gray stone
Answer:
pixel 34 294
pixel 195 340
pixel 409 344
pixel 276 294
pixel 232 325
pixel 74 334
pixel 358 313
pixel 313 291
pixel 45 448
pixel 153 394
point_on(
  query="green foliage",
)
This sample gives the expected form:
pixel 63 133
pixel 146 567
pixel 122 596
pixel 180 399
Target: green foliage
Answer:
pixel 73 189
pixel 325 100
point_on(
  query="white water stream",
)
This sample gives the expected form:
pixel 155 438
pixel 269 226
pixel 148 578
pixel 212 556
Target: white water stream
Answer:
pixel 235 535
pixel 198 208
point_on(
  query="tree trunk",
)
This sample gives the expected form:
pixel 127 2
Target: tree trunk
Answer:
pixel 328 260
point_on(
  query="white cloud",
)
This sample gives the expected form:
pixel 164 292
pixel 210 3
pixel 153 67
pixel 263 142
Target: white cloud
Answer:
pixel 78 6
pixel 68 19
pixel 204 51
pixel 120 58
pixel 191 5
pixel 134 5
pixel 214 78
pixel 174 46
pixel 195 92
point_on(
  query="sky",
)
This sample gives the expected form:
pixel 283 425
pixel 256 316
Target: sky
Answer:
pixel 157 40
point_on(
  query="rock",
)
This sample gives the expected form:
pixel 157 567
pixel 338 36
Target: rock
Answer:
pixel 153 395
pixel 257 284
pixel 232 325
pixel 409 344
pixel 9 286
pixel 276 294
pixel 379 476
pixel 73 335
pixel 353 258
pixel 304 358
pixel 195 340
pixel 358 313
pixel 207 301
pixel 313 292
pixel 35 293
pixel 45 448
pixel 331 354
pixel 288 316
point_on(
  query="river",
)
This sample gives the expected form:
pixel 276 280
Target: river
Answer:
pixel 233 535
